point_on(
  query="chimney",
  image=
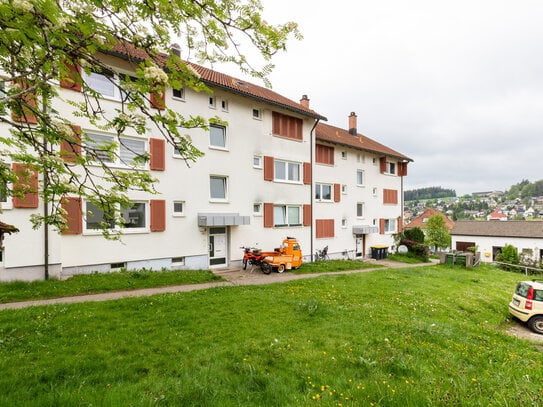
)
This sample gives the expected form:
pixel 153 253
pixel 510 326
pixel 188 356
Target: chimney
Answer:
pixel 305 101
pixel 176 49
pixel 352 124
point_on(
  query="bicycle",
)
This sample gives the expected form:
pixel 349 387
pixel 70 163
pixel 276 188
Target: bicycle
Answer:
pixel 322 254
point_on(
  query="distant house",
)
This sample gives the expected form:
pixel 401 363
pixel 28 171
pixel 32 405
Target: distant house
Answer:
pixel 491 236
pixel 497 214
pixel 421 220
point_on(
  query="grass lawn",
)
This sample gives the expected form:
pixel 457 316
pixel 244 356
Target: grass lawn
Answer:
pixel 100 283
pixel 417 336
pixel 334 265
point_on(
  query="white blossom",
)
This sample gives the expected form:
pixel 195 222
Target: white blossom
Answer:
pixel 155 75
pixel 23 5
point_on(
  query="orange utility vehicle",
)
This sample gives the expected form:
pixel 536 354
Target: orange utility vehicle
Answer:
pixel 287 256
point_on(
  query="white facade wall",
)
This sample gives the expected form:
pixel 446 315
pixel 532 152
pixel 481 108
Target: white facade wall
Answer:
pixel 488 245
pixel 347 161
pixel 185 244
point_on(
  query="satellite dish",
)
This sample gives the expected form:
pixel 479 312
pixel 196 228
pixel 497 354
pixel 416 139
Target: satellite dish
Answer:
pixel 402 249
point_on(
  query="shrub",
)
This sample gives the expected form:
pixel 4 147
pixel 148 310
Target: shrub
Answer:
pixel 415 234
pixel 418 249
pixel 508 254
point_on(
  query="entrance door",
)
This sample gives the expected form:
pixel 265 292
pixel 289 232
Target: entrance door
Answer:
pixel 217 247
pixel 360 246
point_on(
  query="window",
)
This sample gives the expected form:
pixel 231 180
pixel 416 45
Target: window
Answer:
pixel 134 216
pixel 257 161
pixel 344 188
pixel 286 171
pixel 5 201
pixel 128 152
pixel 360 177
pixel 344 223
pixel 391 168
pixel 286 215
pixel 217 136
pixel 390 225
pixel 323 192
pixel 257 209
pixel 179 208
pixel 257 114
pixel 374 191
pixel 217 187
pixel 360 209
pixel 224 105
pixel 96 217
pixel 102 82
pixel 344 155
pixel 360 158
pixel 212 102
pixel 324 154
pixel 178 93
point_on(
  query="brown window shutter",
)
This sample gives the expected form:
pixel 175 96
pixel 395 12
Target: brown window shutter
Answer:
pixel 72 80
pixel 71 149
pixel 383 165
pixel 74 216
pixel 390 196
pixel 400 224
pixel 157 149
pixel 158 100
pixel 324 228
pixel 337 192
pixel 158 215
pixel 28 103
pixel 268 168
pixel 402 169
pixel 268 215
pixel 307 174
pixel 307 215
pixel 381 226
pixel 27 184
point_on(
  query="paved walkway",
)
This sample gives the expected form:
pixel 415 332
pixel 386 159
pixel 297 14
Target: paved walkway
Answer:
pixel 233 277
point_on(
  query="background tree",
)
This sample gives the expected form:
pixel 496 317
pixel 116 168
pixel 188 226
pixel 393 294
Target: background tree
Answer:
pixel 41 42
pixel 437 233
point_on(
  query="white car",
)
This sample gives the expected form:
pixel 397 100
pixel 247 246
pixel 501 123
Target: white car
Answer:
pixel 527 304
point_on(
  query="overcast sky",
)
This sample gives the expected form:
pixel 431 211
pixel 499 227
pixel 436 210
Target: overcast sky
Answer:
pixel 455 85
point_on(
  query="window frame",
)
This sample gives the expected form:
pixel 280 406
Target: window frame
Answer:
pixel 287 208
pixel 224 137
pixel 182 90
pixel 287 165
pixel 178 214
pixel 117 160
pixel 114 82
pixel 224 179
pixel 260 164
pixel 118 211
pixel 387 225
pixel 362 206
pixel 360 174
pixel 260 210
pixel 391 168
pixel 258 112
pixel 319 192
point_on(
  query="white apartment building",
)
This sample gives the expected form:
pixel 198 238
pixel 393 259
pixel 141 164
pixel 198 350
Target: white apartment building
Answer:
pixel 254 186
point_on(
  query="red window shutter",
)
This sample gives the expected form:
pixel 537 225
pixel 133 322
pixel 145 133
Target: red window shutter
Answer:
pixel 71 149
pixel 74 216
pixel 158 215
pixel 27 105
pixel 400 224
pixel 382 226
pixel 72 80
pixel 287 126
pixel 324 154
pixel 268 215
pixel 268 168
pixel 383 165
pixel 158 100
pixel 390 196
pixel 337 192
pixel 307 215
pixel 27 184
pixel 402 169
pixel 158 154
pixel 324 228
pixel 307 173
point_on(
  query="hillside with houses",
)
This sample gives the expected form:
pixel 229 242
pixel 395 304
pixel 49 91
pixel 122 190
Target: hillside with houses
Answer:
pixel 523 201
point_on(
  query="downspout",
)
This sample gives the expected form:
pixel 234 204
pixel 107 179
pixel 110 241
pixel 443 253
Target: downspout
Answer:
pixel 311 186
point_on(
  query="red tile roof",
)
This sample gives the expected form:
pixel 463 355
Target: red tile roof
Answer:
pixel 511 228
pixel 216 79
pixel 420 221
pixel 336 135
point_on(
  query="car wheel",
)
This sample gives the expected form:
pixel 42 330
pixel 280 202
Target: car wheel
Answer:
pixel 280 268
pixel 536 324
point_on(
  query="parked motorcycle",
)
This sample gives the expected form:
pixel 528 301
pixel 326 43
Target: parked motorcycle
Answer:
pixel 254 257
